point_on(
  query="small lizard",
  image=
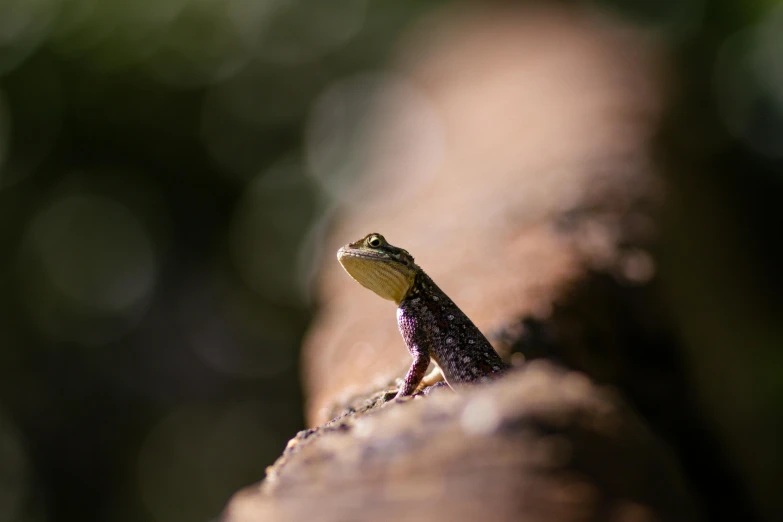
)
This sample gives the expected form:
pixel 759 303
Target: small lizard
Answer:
pixel 432 326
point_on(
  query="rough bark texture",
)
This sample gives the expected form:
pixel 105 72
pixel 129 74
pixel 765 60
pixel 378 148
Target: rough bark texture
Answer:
pixel 541 444
pixel 537 218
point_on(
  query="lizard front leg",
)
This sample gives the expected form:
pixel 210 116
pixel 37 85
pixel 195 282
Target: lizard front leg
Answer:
pixel 421 360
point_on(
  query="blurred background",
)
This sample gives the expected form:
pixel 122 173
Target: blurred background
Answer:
pixel 168 169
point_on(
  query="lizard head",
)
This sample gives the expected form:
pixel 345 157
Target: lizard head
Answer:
pixel 374 263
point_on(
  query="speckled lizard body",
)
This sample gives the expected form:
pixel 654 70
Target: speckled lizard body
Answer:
pixel 432 326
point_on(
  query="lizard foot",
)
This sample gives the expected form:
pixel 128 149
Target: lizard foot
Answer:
pixel 437 385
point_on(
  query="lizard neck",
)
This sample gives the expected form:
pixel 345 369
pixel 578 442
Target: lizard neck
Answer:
pixel 422 285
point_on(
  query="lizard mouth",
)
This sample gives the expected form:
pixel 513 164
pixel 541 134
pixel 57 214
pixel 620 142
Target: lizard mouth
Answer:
pixel 359 253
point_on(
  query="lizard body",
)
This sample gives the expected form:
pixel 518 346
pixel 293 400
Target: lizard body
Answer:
pixel 432 326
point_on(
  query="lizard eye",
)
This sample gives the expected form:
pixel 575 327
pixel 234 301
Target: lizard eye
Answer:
pixel 374 241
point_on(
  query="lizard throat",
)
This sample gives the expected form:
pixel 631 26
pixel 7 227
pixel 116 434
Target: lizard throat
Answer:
pixel 385 277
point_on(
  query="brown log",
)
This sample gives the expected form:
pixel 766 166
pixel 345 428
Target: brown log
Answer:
pixel 541 444
pixel 536 218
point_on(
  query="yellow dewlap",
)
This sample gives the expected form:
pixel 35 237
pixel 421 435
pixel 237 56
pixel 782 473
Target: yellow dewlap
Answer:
pixel 386 278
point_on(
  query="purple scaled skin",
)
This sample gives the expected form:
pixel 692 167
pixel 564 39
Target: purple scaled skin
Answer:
pixel 432 326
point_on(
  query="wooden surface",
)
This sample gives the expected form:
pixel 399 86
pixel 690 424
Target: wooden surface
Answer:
pixel 541 444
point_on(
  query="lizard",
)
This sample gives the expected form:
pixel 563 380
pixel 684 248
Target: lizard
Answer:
pixel 432 326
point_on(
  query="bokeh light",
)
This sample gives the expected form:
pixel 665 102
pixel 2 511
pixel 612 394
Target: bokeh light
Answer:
pixel 272 217
pixel 748 84
pixel 344 136
pixel 201 46
pixel 303 30
pixel 113 273
pixel 766 59
pixel 23 26
pixel 88 259
pixel 112 35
